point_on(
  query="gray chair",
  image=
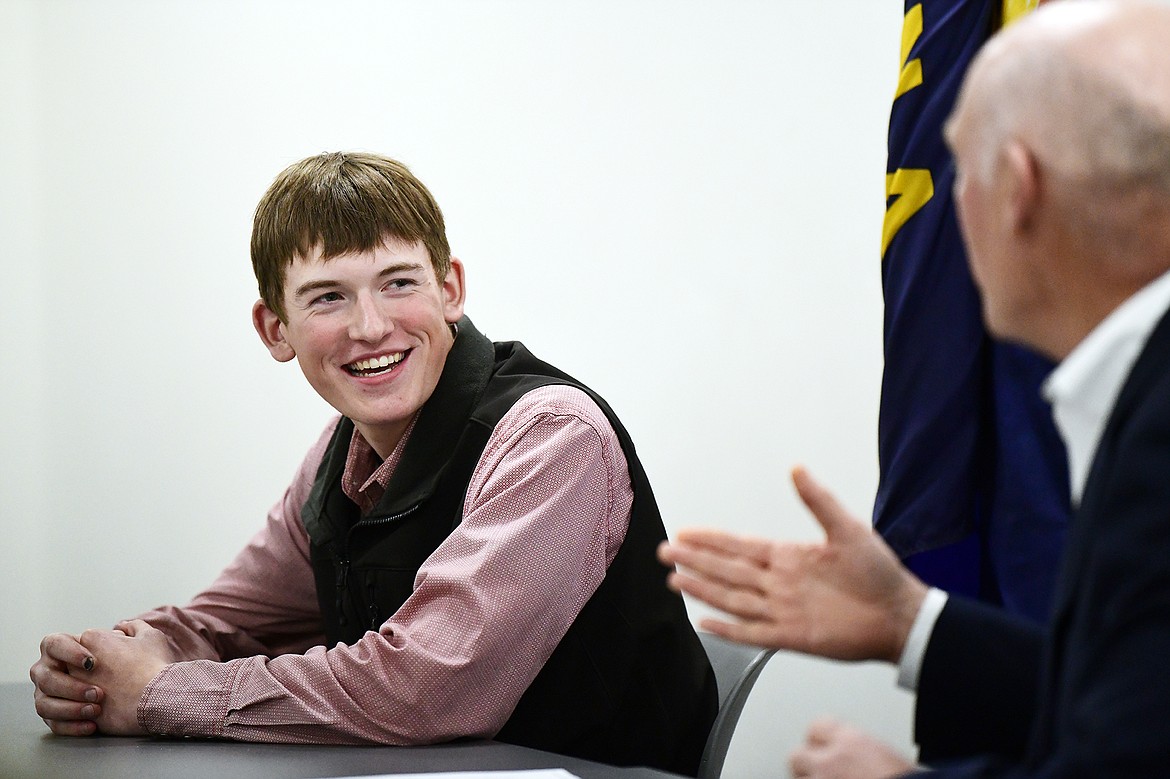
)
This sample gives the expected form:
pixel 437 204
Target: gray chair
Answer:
pixel 736 669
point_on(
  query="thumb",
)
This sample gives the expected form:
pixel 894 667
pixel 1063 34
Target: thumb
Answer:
pixel 831 515
pixel 132 627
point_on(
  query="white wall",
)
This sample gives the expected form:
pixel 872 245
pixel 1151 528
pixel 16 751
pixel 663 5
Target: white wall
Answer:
pixel 679 202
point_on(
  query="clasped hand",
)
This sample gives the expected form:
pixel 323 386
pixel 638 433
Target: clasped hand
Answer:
pixel 92 682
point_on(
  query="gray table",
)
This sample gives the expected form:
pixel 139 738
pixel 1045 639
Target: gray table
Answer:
pixel 28 750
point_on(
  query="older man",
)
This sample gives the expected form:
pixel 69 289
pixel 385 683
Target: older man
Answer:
pixel 1062 140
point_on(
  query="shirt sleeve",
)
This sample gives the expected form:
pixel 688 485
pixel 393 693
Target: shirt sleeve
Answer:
pixel 546 510
pixel 264 602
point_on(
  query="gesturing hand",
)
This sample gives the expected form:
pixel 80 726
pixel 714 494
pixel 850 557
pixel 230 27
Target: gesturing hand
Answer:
pixel 848 598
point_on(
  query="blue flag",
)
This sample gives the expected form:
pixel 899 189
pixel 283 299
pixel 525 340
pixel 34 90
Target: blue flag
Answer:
pixel 973 491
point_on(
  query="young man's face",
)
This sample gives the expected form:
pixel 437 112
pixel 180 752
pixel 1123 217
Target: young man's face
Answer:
pixel 370 332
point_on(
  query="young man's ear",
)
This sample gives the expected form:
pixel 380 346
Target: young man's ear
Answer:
pixel 454 292
pixel 271 331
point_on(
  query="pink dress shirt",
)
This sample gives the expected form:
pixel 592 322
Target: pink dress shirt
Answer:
pixel 546 511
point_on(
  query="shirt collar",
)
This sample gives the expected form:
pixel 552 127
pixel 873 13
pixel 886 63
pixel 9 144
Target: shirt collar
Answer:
pixel 366 475
pixel 1084 387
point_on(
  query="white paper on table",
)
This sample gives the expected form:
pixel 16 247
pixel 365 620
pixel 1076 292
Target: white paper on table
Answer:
pixel 532 773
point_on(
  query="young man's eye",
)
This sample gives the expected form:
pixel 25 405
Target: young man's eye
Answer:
pixel 328 297
pixel 401 283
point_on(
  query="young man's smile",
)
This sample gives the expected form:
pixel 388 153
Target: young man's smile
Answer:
pixel 371 367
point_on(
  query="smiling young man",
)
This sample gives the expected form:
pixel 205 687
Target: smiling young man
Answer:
pixel 467 551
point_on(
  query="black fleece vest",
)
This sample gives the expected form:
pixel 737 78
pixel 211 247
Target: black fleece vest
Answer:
pixel 629 683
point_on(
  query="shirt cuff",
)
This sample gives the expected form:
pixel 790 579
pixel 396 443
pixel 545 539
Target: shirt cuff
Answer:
pixel 910 664
pixel 187 699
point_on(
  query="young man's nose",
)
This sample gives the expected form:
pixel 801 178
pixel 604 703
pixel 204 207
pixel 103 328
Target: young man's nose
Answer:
pixel 370 321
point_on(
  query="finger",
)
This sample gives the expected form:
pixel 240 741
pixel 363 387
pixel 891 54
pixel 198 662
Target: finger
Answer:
pixel 740 602
pixel 800 763
pixel 95 639
pixel 665 553
pixel 728 544
pixel 54 680
pixel 72 727
pixel 731 571
pixel 831 515
pixel 66 651
pixel 822 730
pixel 60 709
pixel 753 633
pixel 132 627
pixel 55 684
pixel 720 627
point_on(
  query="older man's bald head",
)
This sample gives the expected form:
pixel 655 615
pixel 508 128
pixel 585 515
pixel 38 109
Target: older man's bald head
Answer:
pixel 1061 138
pixel 1084 85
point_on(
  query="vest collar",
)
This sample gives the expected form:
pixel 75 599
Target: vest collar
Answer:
pixel 434 439
pixel 440 422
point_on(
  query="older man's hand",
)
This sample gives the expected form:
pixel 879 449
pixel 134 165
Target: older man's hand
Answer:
pixel 848 598
pixel 833 750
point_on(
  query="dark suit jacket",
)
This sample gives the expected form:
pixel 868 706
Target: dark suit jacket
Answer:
pixel 1089 696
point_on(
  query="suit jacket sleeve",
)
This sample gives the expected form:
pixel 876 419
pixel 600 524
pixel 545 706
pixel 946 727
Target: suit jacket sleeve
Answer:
pixel 1103 704
pixel 978 686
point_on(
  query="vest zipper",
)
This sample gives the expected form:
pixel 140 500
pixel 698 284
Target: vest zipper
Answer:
pixel 342 583
pixel 384 520
pixel 371 597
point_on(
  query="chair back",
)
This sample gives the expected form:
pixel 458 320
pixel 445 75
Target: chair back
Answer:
pixel 736 667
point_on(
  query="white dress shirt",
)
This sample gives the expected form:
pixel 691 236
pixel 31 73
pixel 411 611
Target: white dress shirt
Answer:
pixel 1082 391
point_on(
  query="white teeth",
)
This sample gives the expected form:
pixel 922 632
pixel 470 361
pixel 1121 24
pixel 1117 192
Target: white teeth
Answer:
pixel 373 363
